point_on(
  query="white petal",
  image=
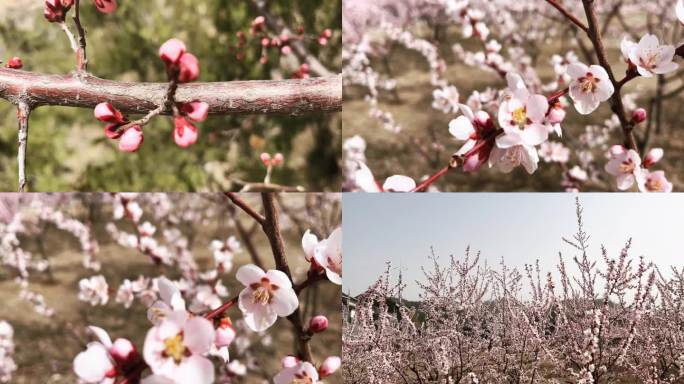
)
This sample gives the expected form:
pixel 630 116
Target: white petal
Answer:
pixel 399 183
pixel 537 106
pixel 195 370
pixel 102 335
pixel 509 139
pixel 364 179
pixel 535 134
pixel 198 335
pixel 279 278
pixel 461 128
pixel 309 242
pixel 93 364
pixel 577 70
pixel 249 274
pixel 284 302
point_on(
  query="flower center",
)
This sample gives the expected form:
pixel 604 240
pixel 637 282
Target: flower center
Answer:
pixel 648 60
pixel 174 348
pixel 519 117
pixel 302 378
pixel 627 166
pixel 263 291
pixel 654 185
pixel 589 83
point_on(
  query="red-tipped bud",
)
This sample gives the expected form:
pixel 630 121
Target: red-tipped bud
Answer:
pixel 196 110
pixel 639 116
pixel 556 114
pixel 266 159
pixel 107 113
pixel 112 131
pixel 329 366
pixel 278 159
pixel 189 68
pixel 289 361
pixel 131 140
pixel 225 334
pixel 318 324
pixel 653 156
pixel 286 50
pixel 55 10
pixel 15 63
pixel 104 6
pixel 171 51
pixel 124 352
pixel 184 134
pixel 322 41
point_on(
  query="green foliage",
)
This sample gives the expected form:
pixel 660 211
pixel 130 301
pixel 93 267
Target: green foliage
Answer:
pixel 67 150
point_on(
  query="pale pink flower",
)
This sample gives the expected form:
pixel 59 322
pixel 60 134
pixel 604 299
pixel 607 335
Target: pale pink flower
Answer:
pixel 653 182
pixel 445 99
pixel 472 128
pixel 131 140
pixel 554 152
pixel 506 159
pixel 175 349
pixel 589 87
pixel 309 243
pixel 103 360
pixel 366 182
pixel 303 372
pixel 330 365
pixel 624 165
pixel 651 58
pixel 170 300
pixel 94 290
pixel 266 296
pixel 328 254
pixel 522 116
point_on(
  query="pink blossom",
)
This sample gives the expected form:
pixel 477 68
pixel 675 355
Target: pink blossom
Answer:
pixel 330 365
pixel 651 58
pixel 653 182
pixel 196 110
pixel 55 10
pixel 15 63
pixel 366 182
pixel 266 296
pixel 303 372
pixel 103 360
pixel 131 140
pixel 653 156
pixel 473 128
pixel 318 324
pixel 184 133
pixel 171 51
pixel 107 113
pixel 328 255
pixel 522 116
pixel 589 87
pixel 639 116
pixel 189 68
pixel 506 159
pixel 175 348
pixel 105 6
pixel 624 165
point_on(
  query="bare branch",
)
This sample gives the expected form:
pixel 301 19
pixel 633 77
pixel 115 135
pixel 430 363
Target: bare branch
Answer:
pixel 23 112
pixel 291 97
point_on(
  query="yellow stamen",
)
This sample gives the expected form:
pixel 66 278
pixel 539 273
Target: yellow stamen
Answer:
pixel 519 117
pixel 174 348
pixel 262 295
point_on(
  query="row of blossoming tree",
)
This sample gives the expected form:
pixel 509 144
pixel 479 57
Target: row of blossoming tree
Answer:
pixel 196 329
pixel 299 59
pixel 603 319
pixel 538 74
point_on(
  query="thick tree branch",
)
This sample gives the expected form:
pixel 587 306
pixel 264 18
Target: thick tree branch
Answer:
pixel 291 97
pixel 23 112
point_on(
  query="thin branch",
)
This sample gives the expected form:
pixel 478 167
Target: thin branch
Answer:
pixel 568 14
pixel 271 228
pixel 82 64
pixel 246 238
pixel 292 97
pixel 246 207
pixel 23 112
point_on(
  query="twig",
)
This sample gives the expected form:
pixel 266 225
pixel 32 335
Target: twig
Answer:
pixel 23 112
pixel 246 207
pixel 568 14
pixel 82 65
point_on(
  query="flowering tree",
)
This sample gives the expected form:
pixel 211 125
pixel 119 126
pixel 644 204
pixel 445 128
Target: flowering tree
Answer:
pixel 128 108
pixel 604 319
pixel 521 105
pixel 196 329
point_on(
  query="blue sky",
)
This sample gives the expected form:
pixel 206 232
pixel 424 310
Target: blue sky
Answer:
pixel 521 227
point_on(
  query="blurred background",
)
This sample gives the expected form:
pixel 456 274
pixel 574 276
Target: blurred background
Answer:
pixel 68 150
pixel 46 346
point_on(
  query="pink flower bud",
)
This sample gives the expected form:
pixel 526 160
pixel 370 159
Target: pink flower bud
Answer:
pixel 15 63
pixel 263 60
pixel 265 42
pixel 616 150
pixel 171 51
pixel 278 159
pixel 284 38
pixel 189 68
pixel 556 114
pixel 123 351
pixel 55 10
pixel 225 334
pixel 105 6
pixel 265 158
pixel 107 113
pixel 318 324
pixel 196 110
pixel 329 366
pixel 258 23
pixel 184 134
pixel 112 131
pixel 322 41
pixel 286 50
pixel 289 361
pixel 327 33
pixel 131 139
pixel 639 116
pixel 304 68
pixel 653 156
pixel 67 3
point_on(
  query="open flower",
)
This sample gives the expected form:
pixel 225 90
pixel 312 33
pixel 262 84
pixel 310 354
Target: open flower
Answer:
pixel 625 165
pixel 653 182
pixel 184 134
pixel 473 128
pixel 301 372
pixel 366 182
pixel 589 87
pixel 522 116
pixel 328 255
pixel 175 348
pixel 506 159
pixel 445 99
pixel 103 360
pixel 266 296
pixel 649 57
pixel 94 290
pixel 170 300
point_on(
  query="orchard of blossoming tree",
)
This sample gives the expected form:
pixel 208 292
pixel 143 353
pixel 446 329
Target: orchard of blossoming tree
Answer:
pixel 163 288
pixel 191 95
pixel 602 316
pixel 505 95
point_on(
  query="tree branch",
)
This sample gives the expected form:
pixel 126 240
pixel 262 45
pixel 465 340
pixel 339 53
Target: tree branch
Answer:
pixel 23 112
pixel 246 207
pixel 568 14
pixel 291 97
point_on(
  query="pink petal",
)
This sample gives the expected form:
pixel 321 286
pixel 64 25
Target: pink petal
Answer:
pixel 198 335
